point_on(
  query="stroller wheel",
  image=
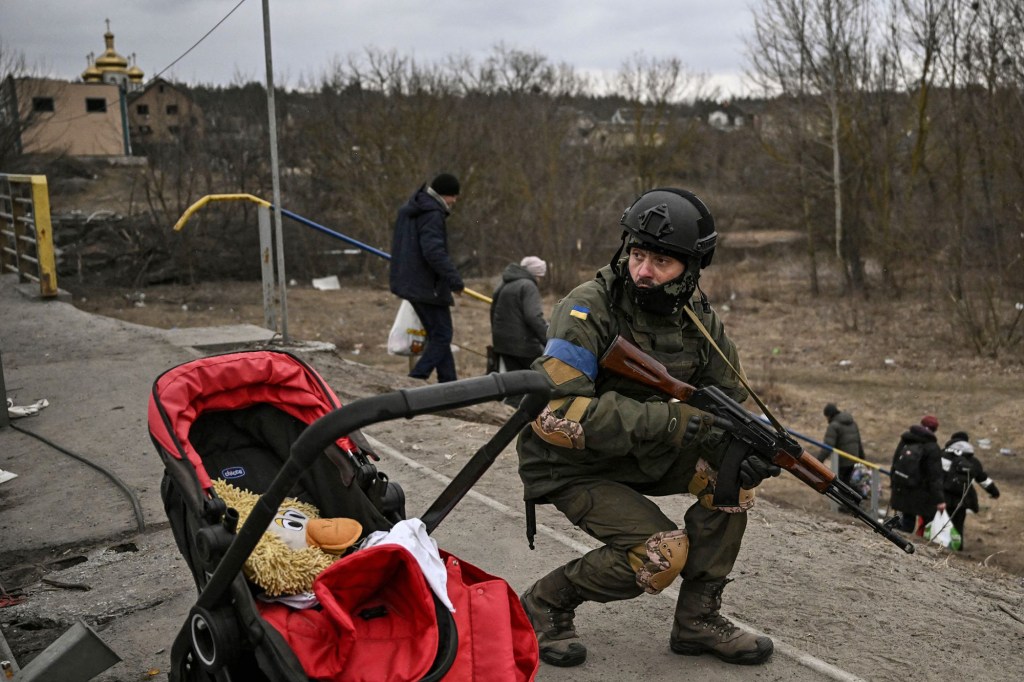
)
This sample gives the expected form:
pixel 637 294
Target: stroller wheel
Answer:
pixel 215 637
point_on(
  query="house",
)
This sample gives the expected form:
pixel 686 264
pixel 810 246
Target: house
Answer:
pixel 58 117
pixel 75 118
pixel 727 117
pixel 162 112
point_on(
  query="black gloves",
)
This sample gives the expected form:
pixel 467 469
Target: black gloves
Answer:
pixel 755 469
pixel 992 490
pixel 687 424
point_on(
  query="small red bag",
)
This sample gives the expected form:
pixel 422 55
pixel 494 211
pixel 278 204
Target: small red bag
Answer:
pixel 496 640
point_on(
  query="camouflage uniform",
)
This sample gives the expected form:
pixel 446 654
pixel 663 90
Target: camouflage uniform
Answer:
pixel 601 486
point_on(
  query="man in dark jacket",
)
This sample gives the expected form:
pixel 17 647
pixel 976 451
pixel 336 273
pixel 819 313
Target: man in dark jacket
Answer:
pixel 605 445
pixel 962 471
pixel 842 434
pixel 518 329
pixel 423 274
pixel 917 478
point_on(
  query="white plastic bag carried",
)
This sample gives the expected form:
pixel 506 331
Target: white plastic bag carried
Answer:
pixel 407 335
pixel 940 529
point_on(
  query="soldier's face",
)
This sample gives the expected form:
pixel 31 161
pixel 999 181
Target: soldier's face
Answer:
pixel 650 269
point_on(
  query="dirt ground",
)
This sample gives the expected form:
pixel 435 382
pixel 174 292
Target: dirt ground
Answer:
pixel 799 353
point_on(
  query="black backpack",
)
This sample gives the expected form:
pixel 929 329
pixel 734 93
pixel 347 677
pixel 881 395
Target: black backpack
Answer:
pixel 906 470
pixel 958 476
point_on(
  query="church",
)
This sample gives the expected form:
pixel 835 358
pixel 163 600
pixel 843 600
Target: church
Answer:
pixel 101 114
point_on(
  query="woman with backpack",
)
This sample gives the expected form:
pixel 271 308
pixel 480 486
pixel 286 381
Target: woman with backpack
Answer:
pixel 917 476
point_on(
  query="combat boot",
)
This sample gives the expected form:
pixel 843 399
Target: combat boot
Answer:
pixel 550 605
pixel 700 628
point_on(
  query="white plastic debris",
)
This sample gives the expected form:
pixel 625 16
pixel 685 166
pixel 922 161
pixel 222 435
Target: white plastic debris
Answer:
pixel 890 362
pixel 845 363
pixel 985 444
pixel 329 283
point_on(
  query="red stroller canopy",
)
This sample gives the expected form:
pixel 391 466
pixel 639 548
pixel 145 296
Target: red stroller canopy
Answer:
pixel 229 382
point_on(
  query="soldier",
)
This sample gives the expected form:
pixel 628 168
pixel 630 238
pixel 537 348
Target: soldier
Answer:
pixel 604 443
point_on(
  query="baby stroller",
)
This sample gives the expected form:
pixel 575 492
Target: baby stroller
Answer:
pixel 269 422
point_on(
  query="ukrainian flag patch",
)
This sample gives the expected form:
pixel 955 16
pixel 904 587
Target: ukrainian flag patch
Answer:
pixel 580 312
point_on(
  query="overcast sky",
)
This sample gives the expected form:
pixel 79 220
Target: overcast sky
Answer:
pixel 594 36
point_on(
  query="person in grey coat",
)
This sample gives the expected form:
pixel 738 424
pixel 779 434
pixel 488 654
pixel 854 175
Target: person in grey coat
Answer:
pixel 842 434
pixel 518 328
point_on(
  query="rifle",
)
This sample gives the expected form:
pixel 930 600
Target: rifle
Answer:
pixel 749 435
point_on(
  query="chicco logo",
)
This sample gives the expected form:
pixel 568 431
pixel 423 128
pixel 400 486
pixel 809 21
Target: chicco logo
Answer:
pixel 232 472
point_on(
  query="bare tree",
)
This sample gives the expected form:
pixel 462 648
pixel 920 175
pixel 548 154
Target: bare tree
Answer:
pixel 657 135
pixel 819 49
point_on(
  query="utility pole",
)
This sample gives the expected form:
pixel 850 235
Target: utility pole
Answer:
pixel 275 174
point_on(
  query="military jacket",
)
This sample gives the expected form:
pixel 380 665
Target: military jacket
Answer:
pixel 622 423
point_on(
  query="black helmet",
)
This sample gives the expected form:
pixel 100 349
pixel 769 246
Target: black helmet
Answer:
pixel 674 222
pixel 678 224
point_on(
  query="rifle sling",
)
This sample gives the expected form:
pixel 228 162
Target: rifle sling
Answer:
pixel 739 375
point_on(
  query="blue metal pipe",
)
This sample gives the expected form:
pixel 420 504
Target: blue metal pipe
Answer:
pixel 326 230
pixel 816 442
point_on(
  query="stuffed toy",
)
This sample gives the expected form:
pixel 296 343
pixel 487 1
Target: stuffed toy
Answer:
pixel 297 545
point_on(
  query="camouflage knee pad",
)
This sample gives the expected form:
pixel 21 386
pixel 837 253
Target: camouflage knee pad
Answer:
pixel 658 561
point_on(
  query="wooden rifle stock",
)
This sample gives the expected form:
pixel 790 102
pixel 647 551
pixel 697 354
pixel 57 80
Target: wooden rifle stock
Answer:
pixel 628 361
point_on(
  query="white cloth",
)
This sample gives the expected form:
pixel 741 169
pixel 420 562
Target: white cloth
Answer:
pixel 306 600
pixel 15 411
pixel 412 534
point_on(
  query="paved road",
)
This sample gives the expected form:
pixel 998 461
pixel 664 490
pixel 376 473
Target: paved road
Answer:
pixel 71 525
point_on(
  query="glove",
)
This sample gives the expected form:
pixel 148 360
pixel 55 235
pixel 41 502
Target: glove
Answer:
pixel 687 425
pixel 755 469
pixel 992 490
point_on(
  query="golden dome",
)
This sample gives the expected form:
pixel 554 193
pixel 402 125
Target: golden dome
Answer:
pixel 91 73
pixel 135 74
pixel 110 60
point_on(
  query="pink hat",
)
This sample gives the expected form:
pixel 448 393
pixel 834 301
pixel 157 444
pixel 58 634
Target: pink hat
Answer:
pixel 535 266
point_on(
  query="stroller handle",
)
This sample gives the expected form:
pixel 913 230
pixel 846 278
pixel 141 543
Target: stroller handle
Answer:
pixel 403 403
pixel 407 403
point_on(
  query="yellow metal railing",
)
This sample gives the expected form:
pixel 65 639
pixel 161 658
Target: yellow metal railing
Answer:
pixel 26 234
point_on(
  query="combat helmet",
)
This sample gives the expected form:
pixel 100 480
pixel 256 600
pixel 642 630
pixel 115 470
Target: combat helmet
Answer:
pixel 676 223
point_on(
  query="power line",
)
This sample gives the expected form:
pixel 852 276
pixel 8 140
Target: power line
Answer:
pixel 205 36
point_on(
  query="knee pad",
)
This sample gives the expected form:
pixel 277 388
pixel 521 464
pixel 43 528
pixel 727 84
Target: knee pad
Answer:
pixel 702 486
pixel 659 560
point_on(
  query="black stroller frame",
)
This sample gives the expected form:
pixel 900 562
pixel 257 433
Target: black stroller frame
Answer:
pixel 224 623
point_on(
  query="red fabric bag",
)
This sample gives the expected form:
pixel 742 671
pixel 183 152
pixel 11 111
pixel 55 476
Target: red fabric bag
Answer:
pixel 376 621
pixel 496 640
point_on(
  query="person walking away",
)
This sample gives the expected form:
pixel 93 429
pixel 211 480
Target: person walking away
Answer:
pixel 917 478
pixel 422 271
pixel 843 434
pixel 605 443
pixel 518 328
pixel 962 470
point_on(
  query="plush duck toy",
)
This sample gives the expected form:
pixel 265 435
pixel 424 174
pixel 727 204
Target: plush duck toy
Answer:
pixel 297 545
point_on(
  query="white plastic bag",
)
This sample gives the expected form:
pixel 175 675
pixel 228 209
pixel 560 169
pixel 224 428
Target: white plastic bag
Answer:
pixel 940 529
pixel 407 335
